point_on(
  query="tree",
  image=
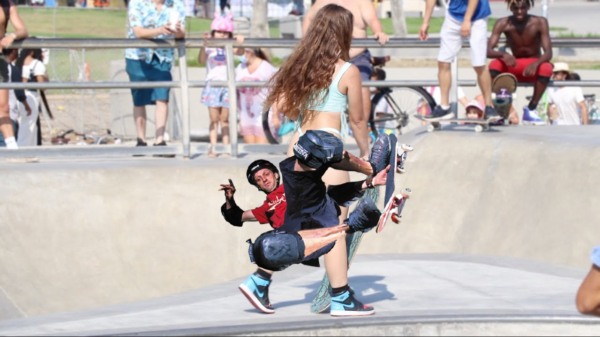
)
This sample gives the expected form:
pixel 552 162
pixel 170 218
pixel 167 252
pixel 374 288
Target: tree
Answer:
pixel 398 19
pixel 259 26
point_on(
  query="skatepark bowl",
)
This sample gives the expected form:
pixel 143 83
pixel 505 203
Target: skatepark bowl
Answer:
pixel 494 240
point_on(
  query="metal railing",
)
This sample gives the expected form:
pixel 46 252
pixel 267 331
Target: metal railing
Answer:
pixel 185 84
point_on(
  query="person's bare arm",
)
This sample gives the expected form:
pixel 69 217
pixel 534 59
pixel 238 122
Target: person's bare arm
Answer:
pixel 424 31
pixel 546 47
pixel 310 15
pixel 465 28
pixel 229 190
pixel 584 113
pixel 239 39
pixel 358 121
pixel 150 33
pixel 492 53
pixel 552 112
pixel 369 16
pixel 588 295
pixel 20 29
pixel 202 55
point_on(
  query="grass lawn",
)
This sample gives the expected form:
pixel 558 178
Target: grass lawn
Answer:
pixel 100 23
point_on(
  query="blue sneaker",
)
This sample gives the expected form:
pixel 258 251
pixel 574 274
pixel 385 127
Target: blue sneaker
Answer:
pixel 380 153
pixel 439 113
pixel 531 117
pixel 256 290
pixel 346 305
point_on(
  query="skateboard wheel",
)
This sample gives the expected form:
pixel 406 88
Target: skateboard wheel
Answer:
pixel 514 96
pixel 406 147
pixel 437 125
pixel 406 193
pixel 478 128
pixel 400 170
pixel 430 127
pixel 395 218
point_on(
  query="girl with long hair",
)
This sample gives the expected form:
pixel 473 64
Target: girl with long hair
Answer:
pixel 314 87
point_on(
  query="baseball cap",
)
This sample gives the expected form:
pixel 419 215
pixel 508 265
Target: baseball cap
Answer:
pixel 475 104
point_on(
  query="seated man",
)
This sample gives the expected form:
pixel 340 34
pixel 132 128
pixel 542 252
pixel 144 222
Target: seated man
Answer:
pixel 265 176
pixel 525 35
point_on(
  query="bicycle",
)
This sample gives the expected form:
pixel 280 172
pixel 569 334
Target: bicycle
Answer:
pixel 402 102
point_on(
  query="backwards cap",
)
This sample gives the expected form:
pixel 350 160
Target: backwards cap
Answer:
pixel 222 23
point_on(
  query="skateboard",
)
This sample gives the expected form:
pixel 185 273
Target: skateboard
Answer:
pixel 504 90
pixel 322 299
pixel 393 209
pixel 480 124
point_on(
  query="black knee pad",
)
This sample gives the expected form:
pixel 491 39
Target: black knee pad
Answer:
pixel 544 79
pixel 316 148
pixel 276 251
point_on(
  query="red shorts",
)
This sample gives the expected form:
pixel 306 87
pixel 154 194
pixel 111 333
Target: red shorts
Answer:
pixel 544 69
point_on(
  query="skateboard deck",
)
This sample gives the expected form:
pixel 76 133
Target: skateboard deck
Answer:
pixel 480 124
pixel 503 93
pixel 322 299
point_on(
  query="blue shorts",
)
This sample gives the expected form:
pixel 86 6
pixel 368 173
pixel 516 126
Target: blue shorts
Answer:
pixel 140 71
pixel 217 97
pixel 363 62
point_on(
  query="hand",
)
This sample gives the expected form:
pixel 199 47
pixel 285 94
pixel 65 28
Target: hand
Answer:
pixel 382 37
pixel 510 60
pixel 423 35
pixel 228 189
pixel 7 40
pixel 530 70
pixel 239 39
pixel 381 177
pixel 177 27
pixel 465 29
pixel 28 109
pixel 165 30
pixel 205 39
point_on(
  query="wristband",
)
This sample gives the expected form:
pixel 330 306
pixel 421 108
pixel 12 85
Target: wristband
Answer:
pixel 369 182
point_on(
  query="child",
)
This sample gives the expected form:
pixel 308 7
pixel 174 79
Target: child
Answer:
pixel 475 110
pixel 217 99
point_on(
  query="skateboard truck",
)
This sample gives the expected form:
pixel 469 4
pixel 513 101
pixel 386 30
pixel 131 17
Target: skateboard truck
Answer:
pixel 401 158
pixel 393 209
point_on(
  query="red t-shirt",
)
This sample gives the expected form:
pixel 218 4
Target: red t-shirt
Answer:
pixel 273 210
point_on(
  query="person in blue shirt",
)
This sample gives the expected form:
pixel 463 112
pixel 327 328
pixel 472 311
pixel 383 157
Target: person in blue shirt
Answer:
pixel 464 19
pixel 152 19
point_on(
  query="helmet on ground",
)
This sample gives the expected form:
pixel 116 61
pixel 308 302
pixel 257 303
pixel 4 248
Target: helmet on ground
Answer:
pixel 258 165
pixel 222 22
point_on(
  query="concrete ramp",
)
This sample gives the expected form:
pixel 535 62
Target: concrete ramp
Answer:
pixel 84 234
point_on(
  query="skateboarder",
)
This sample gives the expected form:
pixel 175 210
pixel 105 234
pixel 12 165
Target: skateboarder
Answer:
pixel 265 176
pixel 464 18
pixel 311 226
pixel 525 35
pixel 588 296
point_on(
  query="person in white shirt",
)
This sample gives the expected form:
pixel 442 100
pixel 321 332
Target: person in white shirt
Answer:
pixel 565 102
pixel 254 66
pixel 32 70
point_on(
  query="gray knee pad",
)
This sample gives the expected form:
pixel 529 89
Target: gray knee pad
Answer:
pixel 276 251
pixel 316 148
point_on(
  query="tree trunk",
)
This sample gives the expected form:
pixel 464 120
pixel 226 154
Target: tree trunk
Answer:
pixel 398 19
pixel 259 26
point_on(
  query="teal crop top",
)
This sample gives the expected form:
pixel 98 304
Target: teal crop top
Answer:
pixel 335 101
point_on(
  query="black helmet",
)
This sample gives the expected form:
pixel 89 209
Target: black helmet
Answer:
pixel 258 165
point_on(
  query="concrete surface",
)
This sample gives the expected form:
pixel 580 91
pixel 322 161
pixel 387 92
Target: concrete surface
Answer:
pixel 83 234
pixel 413 295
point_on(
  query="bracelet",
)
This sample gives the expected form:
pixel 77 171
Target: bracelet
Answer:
pixel 369 182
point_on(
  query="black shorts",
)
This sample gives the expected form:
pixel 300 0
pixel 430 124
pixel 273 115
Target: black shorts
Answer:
pixel 3 68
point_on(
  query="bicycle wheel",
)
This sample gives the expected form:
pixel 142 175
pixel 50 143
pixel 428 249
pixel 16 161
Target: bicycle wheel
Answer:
pixel 281 134
pixel 404 102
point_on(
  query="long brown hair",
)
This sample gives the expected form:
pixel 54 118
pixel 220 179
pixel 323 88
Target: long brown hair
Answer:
pixel 308 70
